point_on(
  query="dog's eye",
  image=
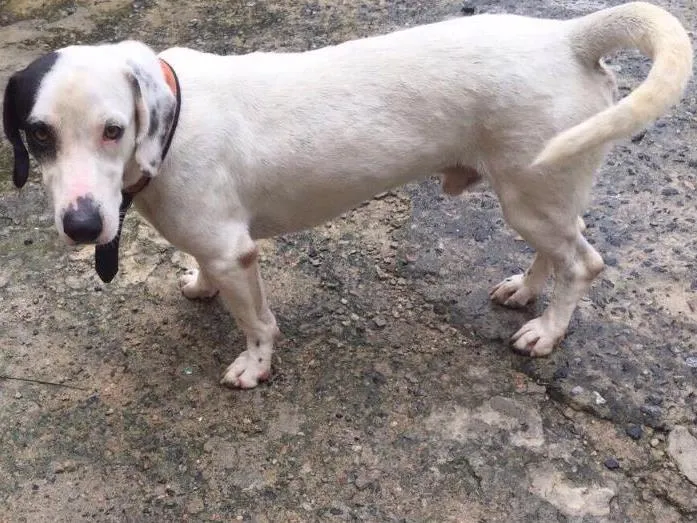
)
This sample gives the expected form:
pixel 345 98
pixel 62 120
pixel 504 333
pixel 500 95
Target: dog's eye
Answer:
pixel 40 134
pixel 112 132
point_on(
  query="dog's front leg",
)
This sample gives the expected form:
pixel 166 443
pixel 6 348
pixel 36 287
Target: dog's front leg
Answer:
pixel 237 277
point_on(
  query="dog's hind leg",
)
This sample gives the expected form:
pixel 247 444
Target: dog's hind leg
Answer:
pixel 574 271
pixel 555 232
pixel 236 273
pixel 520 289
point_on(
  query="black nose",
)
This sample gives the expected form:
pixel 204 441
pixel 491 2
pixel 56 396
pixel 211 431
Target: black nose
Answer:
pixel 83 224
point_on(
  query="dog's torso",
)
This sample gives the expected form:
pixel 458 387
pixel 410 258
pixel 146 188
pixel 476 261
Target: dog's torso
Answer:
pixel 285 141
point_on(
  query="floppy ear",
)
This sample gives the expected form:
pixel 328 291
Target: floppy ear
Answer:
pixel 12 122
pixel 155 106
pixel 20 95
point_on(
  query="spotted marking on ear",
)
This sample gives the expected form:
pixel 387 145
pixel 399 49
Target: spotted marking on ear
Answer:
pixel 155 112
pixel 154 121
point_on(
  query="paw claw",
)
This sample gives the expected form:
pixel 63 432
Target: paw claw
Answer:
pixel 512 292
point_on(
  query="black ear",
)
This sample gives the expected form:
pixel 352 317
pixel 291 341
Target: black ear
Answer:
pixel 20 95
pixel 12 123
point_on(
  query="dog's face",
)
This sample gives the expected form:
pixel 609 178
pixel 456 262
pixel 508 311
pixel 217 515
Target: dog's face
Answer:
pixel 89 115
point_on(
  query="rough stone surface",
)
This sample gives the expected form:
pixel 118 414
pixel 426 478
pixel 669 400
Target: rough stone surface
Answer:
pixel 394 394
pixel 574 501
pixel 682 447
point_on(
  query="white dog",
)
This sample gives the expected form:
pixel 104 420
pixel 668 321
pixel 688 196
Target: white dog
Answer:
pixel 272 143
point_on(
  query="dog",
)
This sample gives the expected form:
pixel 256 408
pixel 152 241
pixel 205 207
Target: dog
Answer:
pixel 271 143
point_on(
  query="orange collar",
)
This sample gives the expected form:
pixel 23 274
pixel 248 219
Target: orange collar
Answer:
pixel 170 77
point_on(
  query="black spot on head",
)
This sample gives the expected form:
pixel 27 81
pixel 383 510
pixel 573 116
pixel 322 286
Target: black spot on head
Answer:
pixel 26 84
pixel 20 96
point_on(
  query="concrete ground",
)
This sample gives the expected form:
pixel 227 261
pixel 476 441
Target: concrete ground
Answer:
pixel 394 395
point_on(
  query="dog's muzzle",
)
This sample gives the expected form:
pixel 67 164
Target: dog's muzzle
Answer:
pixel 83 223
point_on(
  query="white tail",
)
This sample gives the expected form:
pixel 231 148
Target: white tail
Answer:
pixel 657 34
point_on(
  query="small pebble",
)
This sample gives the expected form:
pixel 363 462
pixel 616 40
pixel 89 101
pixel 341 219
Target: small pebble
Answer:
pixel 577 390
pixel 380 321
pixel 691 362
pixel 561 373
pixel 638 137
pixel 634 431
pixel 655 442
pixel 68 466
pixel 652 411
pixel 440 309
pixel 612 463
pixel 467 9
pixel 18 395
pixel 599 400
pixel 654 399
pixel 362 482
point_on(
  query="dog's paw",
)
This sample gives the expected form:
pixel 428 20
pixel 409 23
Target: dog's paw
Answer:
pixel 512 292
pixel 247 371
pixel 195 287
pixel 536 338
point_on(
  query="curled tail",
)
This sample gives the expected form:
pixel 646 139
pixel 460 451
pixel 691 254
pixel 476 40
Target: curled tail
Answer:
pixel 657 34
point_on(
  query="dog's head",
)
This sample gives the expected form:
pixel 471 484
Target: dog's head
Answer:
pixel 95 118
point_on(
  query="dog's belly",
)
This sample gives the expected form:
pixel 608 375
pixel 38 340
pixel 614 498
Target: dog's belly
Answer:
pixel 312 210
pixel 306 207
